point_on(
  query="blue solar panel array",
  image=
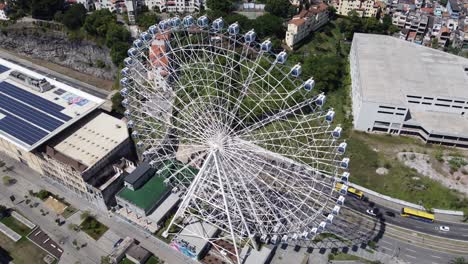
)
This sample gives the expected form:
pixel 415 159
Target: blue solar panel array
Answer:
pixel 29 114
pixel 33 100
pixel 21 130
pixel 22 118
pixel 3 68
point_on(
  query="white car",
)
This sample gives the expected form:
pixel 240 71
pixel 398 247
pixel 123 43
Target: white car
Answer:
pixel 444 228
pixel 370 212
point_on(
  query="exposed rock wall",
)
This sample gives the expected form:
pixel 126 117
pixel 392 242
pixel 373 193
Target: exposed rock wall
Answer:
pixel 54 46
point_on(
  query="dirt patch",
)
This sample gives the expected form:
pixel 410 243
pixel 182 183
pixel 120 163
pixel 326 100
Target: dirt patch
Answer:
pixel 55 205
pixel 423 164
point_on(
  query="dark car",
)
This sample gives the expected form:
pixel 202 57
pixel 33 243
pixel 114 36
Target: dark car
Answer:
pixel 391 214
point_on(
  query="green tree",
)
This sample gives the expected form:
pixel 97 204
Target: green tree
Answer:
pixel 97 23
pixel 147 19
pixel 281 8
pixel 269 25
pixel 74 17
pixel 117 103
pixel 18 8
pixel 244 22
pixel 224 6
pixel 435 43
pixel 119 52
pixel 116 33
pixel 46 9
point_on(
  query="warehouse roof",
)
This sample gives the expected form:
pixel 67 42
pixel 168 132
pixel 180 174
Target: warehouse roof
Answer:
pixel 34 108
pixel 391 68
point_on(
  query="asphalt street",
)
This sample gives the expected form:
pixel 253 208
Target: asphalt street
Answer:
pixel 457 231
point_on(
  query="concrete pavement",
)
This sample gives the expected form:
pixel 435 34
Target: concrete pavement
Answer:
pixel 29 180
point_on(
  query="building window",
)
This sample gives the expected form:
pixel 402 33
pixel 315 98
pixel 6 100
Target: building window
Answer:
pixel 414 102
pixel 414 96
pixel 444 100
pixel 386 107
pixel 385 112
pixel 444 105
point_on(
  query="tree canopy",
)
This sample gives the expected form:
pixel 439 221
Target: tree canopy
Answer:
pixel 116 33
pixel 97 23
pixel 220 5
pixel 281 8
pixel 74 17
pixel 45 9
pixel 147 19
pixel 269 25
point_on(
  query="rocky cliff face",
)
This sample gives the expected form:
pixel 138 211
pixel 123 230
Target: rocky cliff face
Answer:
pixel 54 46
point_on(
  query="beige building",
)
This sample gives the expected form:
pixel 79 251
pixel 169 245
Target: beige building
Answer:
pixel 174 6
pixel 365 8
pixel 307 21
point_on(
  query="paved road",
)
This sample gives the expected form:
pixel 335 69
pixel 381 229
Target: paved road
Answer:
pixel 457 231
pixel 103 94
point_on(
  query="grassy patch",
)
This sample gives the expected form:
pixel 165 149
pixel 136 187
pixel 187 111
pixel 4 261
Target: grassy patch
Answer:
pixel 399 182
pixel 126 261
pixel 69 211
pixel 154 260
pixel 93 227
pixel 343 256
pixel 23 251
pixel 16 225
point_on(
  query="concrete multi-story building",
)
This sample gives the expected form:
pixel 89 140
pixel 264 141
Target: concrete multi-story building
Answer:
pixel 3 15
pixel 416 91
pixel 174 6
pixel 59 132
pixel 307 21
pixel 365 8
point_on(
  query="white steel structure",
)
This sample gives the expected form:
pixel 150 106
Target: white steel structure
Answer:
pixel 258 155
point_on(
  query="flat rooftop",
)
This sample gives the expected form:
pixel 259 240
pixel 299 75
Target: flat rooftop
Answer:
pixel 28 117
pixel 441 123
pixel 147 195
pixel 391 68
pixel 193 238
pixel 94 140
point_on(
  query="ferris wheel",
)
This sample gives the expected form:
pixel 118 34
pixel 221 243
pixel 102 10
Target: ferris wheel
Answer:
pixel 236 130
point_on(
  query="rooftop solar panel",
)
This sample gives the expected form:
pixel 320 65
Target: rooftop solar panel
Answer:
pixel 21 110
pixel 33 100
pixel 3 69
pixel 20 129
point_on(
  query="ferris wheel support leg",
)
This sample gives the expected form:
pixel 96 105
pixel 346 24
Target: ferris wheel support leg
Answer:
pixel 188 196
pixel 227 210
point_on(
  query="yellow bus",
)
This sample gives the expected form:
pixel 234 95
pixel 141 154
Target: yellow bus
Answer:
pixel 417 214
pixel 351 191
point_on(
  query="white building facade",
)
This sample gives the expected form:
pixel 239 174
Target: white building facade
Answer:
pixel 174 6
pixel 307 21
pixel 3 15
pixel 426 96
pixel 366 8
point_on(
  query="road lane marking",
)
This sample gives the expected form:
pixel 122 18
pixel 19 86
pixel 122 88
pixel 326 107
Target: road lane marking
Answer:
pixel 436 256
pixel 389 249
pixel 386 242
pixel 410 256
pixel 409 249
